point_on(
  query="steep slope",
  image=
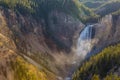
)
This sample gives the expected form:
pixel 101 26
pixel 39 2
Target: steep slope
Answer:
pixel 38 32
pixel 102 7
pixel 12 66
pixel 108 7
pixel 104 65
pixel 93 4
pixel 110 26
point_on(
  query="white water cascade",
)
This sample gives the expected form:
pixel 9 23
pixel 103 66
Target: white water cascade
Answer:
pixel 84 44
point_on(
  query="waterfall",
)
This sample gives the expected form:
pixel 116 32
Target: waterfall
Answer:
pixel 84 46
pixel 84 43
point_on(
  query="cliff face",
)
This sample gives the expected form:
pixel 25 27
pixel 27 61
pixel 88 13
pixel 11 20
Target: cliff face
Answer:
pixel 7 50
pixel 10 62
pixel 106 32
pixel 61 31
pixel 12 65
pixel 64 29
pixel 37 42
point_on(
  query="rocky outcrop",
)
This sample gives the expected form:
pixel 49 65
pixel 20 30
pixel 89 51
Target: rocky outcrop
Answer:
pixel 64 29
pixel 106 32
pixel 11 64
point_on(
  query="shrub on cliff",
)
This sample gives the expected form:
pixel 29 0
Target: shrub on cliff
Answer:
pixel 26 71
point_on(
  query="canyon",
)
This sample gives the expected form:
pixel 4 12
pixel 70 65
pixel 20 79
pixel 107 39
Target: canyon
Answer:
pixel 54 47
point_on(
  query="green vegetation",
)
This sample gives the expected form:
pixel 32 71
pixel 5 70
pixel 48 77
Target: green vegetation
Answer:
pixel 25 71
pixel 71 7
pixel 112 77
pixel 116 13
pixel 103 7
pixel 82 9
pixel 100 65
pixel 93 0
pixel 85 13
pixel 41 8
pixel 108 7
pixel 23 6
pixel 92 4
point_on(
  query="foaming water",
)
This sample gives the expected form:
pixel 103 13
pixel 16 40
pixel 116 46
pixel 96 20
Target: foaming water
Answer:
pixel 84 44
